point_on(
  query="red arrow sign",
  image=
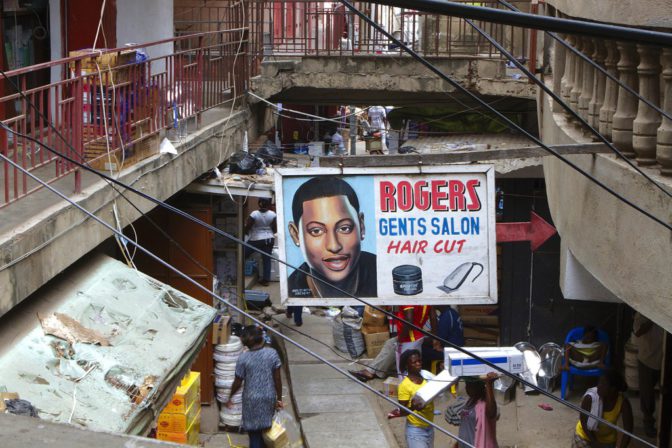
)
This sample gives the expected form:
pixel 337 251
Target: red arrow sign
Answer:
pixel 537 231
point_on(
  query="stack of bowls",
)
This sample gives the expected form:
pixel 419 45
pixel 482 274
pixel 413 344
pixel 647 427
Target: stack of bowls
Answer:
pixel 226 356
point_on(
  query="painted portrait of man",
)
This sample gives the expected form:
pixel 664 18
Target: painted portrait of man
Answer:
pixel 328 227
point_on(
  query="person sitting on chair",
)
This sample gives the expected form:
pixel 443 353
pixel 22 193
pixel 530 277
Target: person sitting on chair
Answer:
pixel 586 353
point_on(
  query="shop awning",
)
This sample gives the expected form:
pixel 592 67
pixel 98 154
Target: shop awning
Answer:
pixel 102 346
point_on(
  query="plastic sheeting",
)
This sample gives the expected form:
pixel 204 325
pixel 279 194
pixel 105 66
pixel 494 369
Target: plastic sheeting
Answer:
pixel 154 333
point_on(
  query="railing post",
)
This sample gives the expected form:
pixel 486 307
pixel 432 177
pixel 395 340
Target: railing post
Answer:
pixel 587 81
pixel 647 121
pixel 664 147
pixel 200 76
pixel 567 82
pixel 599 82
pixel 78 123
pixel 610 92
pixel 626 107
pixel 578 77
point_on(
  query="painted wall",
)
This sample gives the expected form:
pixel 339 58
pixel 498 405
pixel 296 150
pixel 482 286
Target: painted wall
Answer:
pixel 146 21
pixel 55 36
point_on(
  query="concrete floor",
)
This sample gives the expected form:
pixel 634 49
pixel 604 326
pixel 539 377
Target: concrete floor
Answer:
pixel 335 412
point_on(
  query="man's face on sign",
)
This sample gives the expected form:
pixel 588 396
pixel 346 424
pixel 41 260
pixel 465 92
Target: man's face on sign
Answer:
pixel 329 233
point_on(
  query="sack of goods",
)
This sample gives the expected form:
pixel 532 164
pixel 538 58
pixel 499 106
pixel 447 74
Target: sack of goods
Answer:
pixel 347 333
pixel 226 356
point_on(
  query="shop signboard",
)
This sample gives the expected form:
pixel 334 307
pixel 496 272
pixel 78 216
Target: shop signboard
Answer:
pixel 393 235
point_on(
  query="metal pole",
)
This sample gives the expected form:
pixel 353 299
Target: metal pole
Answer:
pixel 353 131
pixel 533 21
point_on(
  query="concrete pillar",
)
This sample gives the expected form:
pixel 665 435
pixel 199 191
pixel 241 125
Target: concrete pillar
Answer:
pixel 587 79
pixel 664 147
pixel 610 91
pixel 647 121
pixel 567 81
pixel 626 108
pixel 599 83
pixel 578 77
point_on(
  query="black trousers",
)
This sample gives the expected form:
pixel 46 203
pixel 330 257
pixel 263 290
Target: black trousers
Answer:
pixel 648 378
pixel 267 247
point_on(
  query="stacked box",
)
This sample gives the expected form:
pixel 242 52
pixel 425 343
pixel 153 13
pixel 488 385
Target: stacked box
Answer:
pixel 375 338
pixel 180 420
pixel 481 325
pixel 108 64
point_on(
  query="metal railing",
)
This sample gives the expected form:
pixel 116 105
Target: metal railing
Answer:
pixel 319 28
pixel 108 105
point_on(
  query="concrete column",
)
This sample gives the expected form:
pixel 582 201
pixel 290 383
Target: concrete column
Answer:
pixel 647 121
pixel 578 77
pixel 599 83
pixel 587 81
pixel 567 81
pixel 626 108
pixel 664 147
pixel 610 91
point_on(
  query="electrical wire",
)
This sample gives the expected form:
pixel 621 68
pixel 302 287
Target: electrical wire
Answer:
pixel 316 117
pixel 346 293
pixel 229 304
pixel 510 123
pixel 564 105
pixel 597 66
pixel 410 324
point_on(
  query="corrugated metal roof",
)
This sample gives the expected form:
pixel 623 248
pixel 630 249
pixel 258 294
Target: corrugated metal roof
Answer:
pixel 154 332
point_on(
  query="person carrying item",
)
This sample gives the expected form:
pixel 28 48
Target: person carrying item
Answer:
pixel 449 328
pixel 478 418
pixel 607 401
pixel 419 434
pixel 409 338
pixel 259 370
pixel 328 227
pixel 586 353
pixel 649 359
pixel 262 225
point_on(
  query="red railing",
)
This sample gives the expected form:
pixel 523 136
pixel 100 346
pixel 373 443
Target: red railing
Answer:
pixel 108 105
pixel 318 28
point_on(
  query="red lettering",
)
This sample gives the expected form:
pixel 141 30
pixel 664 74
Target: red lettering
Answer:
pixel 475 201
pixel 438 195
pixel 457 200
pixel 405 196
pixel 422 201
pixel 447 246
pixel 393 246
pixel 387 201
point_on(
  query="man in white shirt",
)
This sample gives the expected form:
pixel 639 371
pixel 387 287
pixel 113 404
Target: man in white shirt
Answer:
pixel 337 142
pixel 262 225
pixel 649 359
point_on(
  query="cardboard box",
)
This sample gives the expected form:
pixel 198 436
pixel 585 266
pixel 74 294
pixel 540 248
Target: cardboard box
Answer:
pixel 179 422
pixel 481 320
pixel 189 437
pixel 373 317
pixel 7 396
pixel 186 394
pixel 391 386
pixel 374 341
pixel 368 329
pixel 461 364
pixel 221 329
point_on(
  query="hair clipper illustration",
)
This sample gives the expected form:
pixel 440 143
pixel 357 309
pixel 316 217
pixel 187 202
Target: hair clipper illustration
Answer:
pixel 460 274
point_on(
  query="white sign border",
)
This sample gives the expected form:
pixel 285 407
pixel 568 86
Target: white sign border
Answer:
pixel 487 169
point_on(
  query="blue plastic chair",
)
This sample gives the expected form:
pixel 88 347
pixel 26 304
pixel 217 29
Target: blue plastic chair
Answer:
pixel 567 376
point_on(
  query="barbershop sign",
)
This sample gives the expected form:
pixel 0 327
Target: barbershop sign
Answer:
pixel 395 236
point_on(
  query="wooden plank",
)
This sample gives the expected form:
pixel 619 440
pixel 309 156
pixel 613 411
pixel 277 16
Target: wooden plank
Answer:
pixel 461 156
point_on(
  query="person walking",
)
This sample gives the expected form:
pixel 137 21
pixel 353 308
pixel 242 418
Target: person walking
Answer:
pixel 478 422
pixel 259 370
pixel 262 226
pixel 419 434
pixel 607 401
pixel 649 359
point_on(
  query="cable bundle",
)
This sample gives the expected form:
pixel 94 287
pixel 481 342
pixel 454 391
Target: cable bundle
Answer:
pixel 226 356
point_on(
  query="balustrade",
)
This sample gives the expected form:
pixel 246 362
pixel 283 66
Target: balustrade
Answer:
pixel 664 146
pixel 599 83
pixel 647 121
pixel 587 79
pixel 608 109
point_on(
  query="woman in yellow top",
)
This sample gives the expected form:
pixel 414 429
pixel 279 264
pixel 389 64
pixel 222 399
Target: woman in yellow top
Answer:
pixel 606 401
pixel 419 434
